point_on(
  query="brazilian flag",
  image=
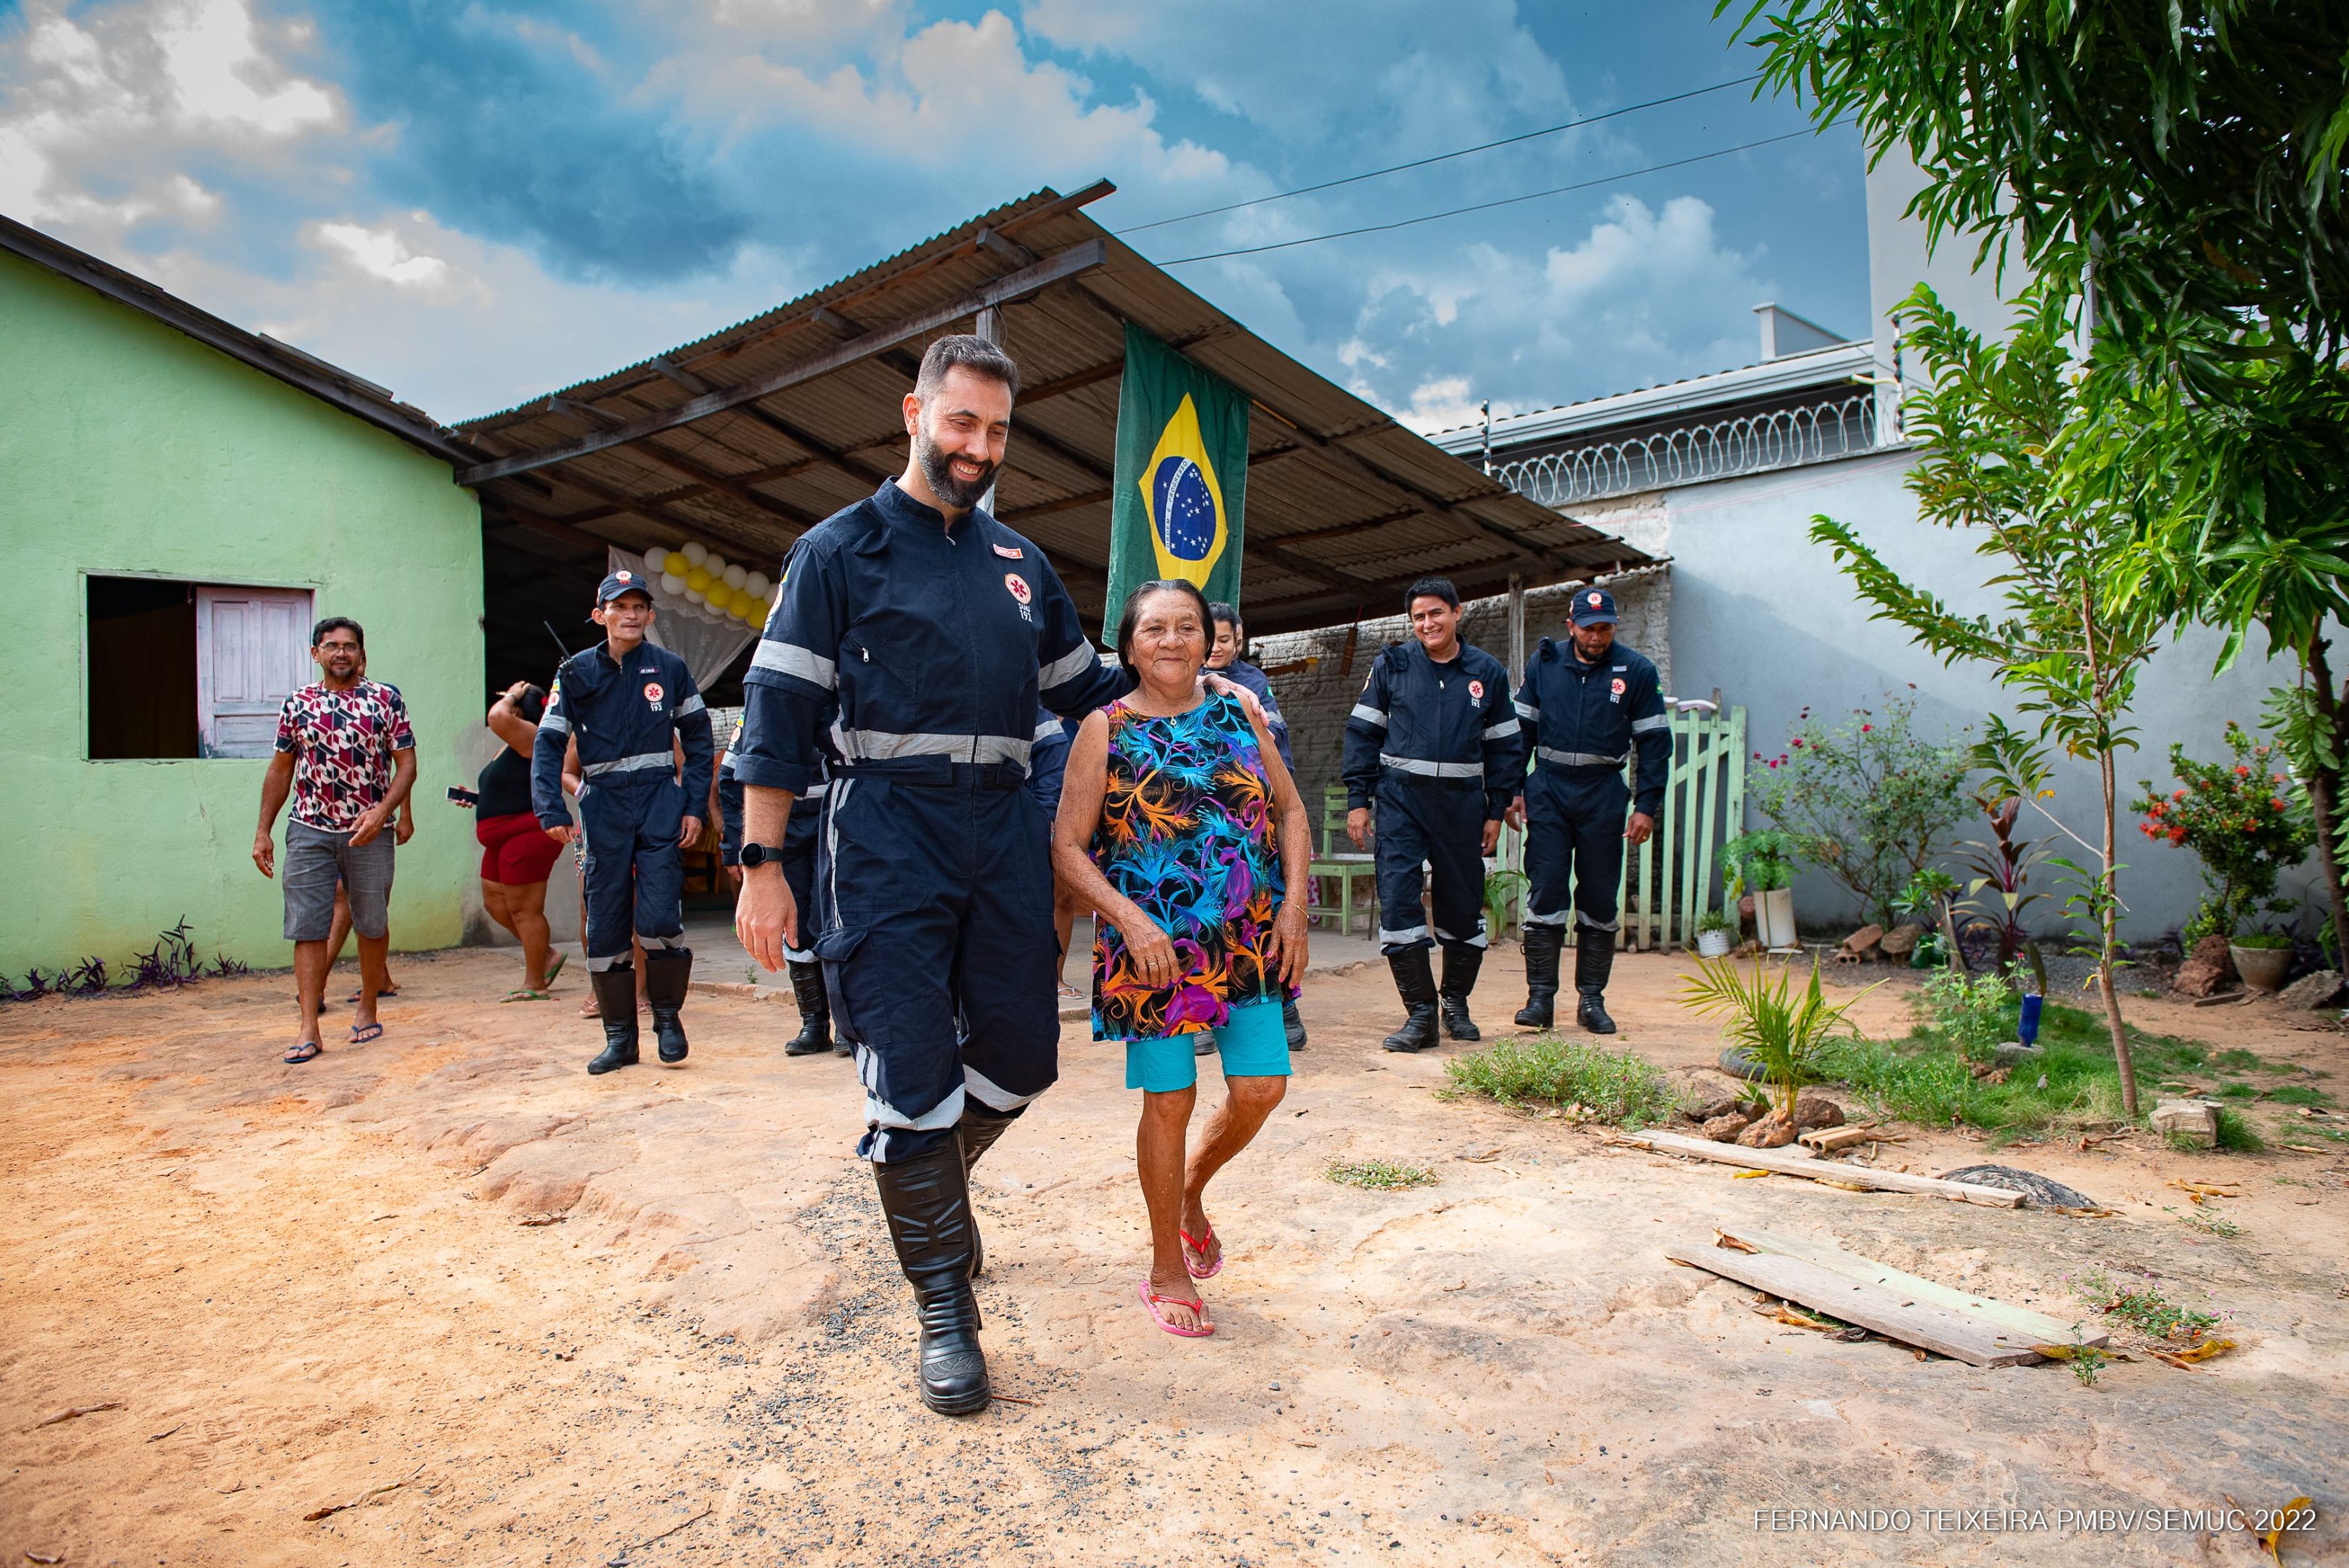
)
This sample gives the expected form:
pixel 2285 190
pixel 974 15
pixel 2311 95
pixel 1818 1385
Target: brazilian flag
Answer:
pixel 1182 471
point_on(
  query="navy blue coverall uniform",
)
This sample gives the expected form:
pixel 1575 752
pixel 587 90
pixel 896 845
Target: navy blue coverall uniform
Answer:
pixel 1586 719
pixel 1436 749
pixel 623 713
pixel 936 898
pixel 800 834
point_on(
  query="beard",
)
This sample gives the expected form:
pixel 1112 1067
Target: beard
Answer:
pixel 939 469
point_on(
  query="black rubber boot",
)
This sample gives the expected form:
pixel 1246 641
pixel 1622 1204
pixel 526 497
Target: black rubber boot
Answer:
pixel 1415 979
pixel 928 1201
pixel 977 1133
pixel 1542 946
pixel 667 970
pixel 814 1037
pixel 1294 1024
pixel 1460 967
pixel 1594 956
pixel 616 1004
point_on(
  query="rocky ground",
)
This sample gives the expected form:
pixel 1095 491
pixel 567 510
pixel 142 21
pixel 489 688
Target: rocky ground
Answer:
pixel 486 1310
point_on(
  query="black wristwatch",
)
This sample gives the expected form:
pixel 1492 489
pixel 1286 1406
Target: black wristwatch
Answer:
pixel 755 855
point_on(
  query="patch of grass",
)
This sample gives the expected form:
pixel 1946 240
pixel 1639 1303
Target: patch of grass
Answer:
pixel 2298 1094
pixel 1924 1078
pixel 1379 1175
pixel 2237 1133
pixel 2144 1309
pixel 2210 1224
pixel 1613 1087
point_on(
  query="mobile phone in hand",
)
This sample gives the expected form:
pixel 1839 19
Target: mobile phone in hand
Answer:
pixel 465 797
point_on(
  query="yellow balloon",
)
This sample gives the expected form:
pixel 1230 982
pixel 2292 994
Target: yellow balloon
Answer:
pixel 720 596
pixel 675 561
pixel 697 580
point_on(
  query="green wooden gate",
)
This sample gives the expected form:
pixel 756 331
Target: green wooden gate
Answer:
pixel 1668 882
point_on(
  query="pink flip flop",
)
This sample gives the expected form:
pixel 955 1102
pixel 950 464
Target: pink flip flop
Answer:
pixel 1192 1244
pixel 1152 1300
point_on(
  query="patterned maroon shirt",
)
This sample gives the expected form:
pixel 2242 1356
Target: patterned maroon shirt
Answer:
pixel 342 743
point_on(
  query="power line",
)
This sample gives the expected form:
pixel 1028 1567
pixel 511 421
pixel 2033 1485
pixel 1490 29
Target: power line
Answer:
pixel 1437 158
pixel 1487 206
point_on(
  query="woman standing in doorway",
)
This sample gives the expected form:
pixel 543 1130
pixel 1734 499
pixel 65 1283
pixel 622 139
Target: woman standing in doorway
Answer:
pixel 1179 825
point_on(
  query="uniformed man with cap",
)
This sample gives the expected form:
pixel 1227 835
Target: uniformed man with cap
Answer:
pixel 934 629
pixel 1434 741
pixel 1587 703
pixel 628 703
pixel 800 835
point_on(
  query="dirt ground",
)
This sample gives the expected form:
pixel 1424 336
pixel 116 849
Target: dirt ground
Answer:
pixel 511 1314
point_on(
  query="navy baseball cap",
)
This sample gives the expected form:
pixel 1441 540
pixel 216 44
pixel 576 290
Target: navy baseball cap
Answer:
pixel 1592 606
pixel 624 581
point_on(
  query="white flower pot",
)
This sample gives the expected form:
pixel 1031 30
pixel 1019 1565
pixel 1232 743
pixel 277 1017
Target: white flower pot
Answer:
pixel 1713 944
pixel 1774 918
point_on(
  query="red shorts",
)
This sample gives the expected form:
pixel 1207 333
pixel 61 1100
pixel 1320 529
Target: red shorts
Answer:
pixel 515 850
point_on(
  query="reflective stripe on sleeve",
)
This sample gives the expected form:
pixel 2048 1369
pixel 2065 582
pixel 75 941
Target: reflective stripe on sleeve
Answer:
pixel 1046 730
pixel 800 663
pixel 634 765
pixel 690 706
pixel 1577 759
pixel 1068 667
pixel 1427 770
pixel 882 745
pixel 1369 715
pixel 1501 731
pixel 556 722
pixel 1528 711
pixel 1656 721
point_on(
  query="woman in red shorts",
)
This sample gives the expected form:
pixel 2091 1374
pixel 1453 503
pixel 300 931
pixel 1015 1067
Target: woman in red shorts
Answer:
pixel 516 853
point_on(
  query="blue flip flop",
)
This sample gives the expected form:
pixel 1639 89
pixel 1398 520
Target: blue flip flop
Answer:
pixel 363 1032
pixel 304 1051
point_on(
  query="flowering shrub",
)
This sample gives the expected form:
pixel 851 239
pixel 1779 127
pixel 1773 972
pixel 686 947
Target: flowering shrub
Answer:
pixel 2244 821
pixel 1868 801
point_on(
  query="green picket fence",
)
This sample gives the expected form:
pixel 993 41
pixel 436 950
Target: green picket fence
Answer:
pixel 1669 882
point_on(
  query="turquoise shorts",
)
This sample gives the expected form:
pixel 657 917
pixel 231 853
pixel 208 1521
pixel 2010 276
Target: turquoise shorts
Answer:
pixel 1252 1041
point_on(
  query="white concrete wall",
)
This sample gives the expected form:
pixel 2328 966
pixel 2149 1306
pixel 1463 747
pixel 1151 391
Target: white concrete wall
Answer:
pixel 1761 612
pixel 1897 262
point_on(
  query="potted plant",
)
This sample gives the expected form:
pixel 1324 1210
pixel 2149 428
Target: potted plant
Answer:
pixel 1780 1028
pixel 1762 862
pixel 2262 957
pixel 1712 935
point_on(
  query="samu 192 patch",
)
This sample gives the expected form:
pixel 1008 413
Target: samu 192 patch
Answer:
pixel 1475 692
pixel 652 692
pixel 1616 686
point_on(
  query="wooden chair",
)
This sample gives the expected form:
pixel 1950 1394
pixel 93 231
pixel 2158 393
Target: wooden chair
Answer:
pixel 1342 867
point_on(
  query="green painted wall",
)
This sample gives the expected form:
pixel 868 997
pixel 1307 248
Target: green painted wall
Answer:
pixel 127 448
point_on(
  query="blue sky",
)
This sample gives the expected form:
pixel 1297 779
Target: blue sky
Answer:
pixel 472 203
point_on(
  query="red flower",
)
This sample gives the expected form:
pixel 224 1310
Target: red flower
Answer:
pixel 2177 835
pixel 2177 795
pixel 1865 728
pixel 2157 809
pixel 2241 772
pixel 2277 804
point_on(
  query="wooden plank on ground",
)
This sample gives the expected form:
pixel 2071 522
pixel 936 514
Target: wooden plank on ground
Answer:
pixel 1798 1161
pixel 2037 1328
pixel 1959 1335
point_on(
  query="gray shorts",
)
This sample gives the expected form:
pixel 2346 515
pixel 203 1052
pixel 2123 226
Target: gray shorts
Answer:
pixel 314 860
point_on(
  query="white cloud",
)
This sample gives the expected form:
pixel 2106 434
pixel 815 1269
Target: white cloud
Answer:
pixel 381 253
pixel 220 76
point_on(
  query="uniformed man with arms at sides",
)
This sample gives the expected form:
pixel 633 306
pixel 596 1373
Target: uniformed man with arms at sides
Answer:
pixel 800 835
pixel 627 704
pixel 935 629
pixel 1224 659
pixel 1435 742
pixel 1586 704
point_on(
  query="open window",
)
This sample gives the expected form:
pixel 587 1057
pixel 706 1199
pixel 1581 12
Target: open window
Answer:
pixel 191 669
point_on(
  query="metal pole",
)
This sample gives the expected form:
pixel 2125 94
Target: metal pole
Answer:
pixel 990 328
pixel 1517 627
pixel 1488 435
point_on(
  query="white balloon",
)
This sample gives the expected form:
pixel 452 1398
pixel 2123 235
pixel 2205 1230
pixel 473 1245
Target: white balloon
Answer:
pixel 695 552
pixel 714 563
pixel 735 574
pixel 693 596
pixel 671 584
pixel 758 584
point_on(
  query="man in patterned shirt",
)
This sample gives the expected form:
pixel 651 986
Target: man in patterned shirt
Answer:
pixel 345 754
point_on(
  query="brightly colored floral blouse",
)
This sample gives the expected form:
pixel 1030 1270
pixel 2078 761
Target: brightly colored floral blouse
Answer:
pixel 1189 834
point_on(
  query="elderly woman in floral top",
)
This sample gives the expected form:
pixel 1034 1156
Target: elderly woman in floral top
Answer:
pixel 1179 825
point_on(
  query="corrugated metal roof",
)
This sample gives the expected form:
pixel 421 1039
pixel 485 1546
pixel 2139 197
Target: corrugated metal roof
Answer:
pixel 1344 506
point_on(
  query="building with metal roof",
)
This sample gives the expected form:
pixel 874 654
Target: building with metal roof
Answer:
pixel 746 438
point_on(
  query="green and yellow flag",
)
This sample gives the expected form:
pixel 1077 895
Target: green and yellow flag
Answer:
pixel 1181 472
